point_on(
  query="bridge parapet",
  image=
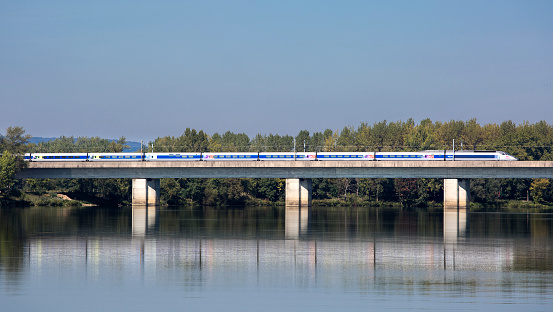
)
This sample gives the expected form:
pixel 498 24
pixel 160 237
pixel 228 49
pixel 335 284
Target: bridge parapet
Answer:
pixel 292 169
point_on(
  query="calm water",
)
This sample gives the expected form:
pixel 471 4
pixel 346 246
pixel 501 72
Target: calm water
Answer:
pixel 266 259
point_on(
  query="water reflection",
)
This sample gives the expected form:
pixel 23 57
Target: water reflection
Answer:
pixel 455 226
pixel 343 250
pixel 296 221
pixel 143 219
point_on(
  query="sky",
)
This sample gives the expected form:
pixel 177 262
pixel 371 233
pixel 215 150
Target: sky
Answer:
pixel 148 69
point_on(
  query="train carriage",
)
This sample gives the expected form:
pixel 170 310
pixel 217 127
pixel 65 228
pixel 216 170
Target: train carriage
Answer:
pixel 56 157
pixel 406 156
pixel 229 156
pixel 280 156
pixel 345 156
pixel 115 157
pixel 173 156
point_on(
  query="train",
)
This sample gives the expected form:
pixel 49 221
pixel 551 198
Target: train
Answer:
pixel 430 155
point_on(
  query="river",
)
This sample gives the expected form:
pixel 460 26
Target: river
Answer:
pixel 273 259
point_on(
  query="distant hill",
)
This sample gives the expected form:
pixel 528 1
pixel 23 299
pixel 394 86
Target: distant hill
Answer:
pixel 133 146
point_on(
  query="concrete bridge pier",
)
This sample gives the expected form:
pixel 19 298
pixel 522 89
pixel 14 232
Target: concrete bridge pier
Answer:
pixel 456 194
pixel 298 192
pixel 298 207
pixel 145 192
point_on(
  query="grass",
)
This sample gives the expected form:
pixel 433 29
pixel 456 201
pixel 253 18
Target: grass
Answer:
pixel 51 200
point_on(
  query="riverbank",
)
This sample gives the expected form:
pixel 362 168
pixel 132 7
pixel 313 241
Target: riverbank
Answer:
pixel 55 199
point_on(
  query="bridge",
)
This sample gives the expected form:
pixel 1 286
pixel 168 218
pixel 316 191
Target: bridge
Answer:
pixel 298 174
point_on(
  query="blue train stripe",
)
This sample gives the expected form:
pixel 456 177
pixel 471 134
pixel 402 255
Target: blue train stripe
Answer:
pixel 475 156
pixel 178 156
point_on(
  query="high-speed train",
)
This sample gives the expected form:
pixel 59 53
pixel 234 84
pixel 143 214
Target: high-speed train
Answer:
pixel 436 155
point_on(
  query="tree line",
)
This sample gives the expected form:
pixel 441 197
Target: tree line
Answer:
pixel 525 141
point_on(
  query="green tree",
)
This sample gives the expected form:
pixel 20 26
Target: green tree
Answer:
pixel 15 141
pixel 303 141
pixel 324 188
pixel 331 140
pixel 8 168
pixel 317 142
pixel 215 143
pixel 538 188
pixel 259 143
pixel 406 190
pixel 193 141
pixel 346 141
pixel 485 191
pixel 421 137
pixel 270 189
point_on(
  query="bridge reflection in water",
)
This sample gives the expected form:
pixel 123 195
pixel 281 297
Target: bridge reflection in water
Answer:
pixel 211 259
pixel 298 253
pixel 299 247
pixel 143 219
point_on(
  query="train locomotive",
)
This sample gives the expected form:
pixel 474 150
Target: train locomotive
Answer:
pixel 434 155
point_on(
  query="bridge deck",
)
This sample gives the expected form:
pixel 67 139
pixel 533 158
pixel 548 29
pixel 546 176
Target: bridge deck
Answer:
pixel 291 169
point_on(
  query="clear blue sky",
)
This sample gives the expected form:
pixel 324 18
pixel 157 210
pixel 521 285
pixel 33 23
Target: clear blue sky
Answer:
pixel 143 69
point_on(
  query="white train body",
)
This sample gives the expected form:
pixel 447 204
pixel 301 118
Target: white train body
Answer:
pixel 443 155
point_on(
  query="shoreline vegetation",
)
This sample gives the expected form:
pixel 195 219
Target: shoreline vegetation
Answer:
pixel 525 141
pixel 53 199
